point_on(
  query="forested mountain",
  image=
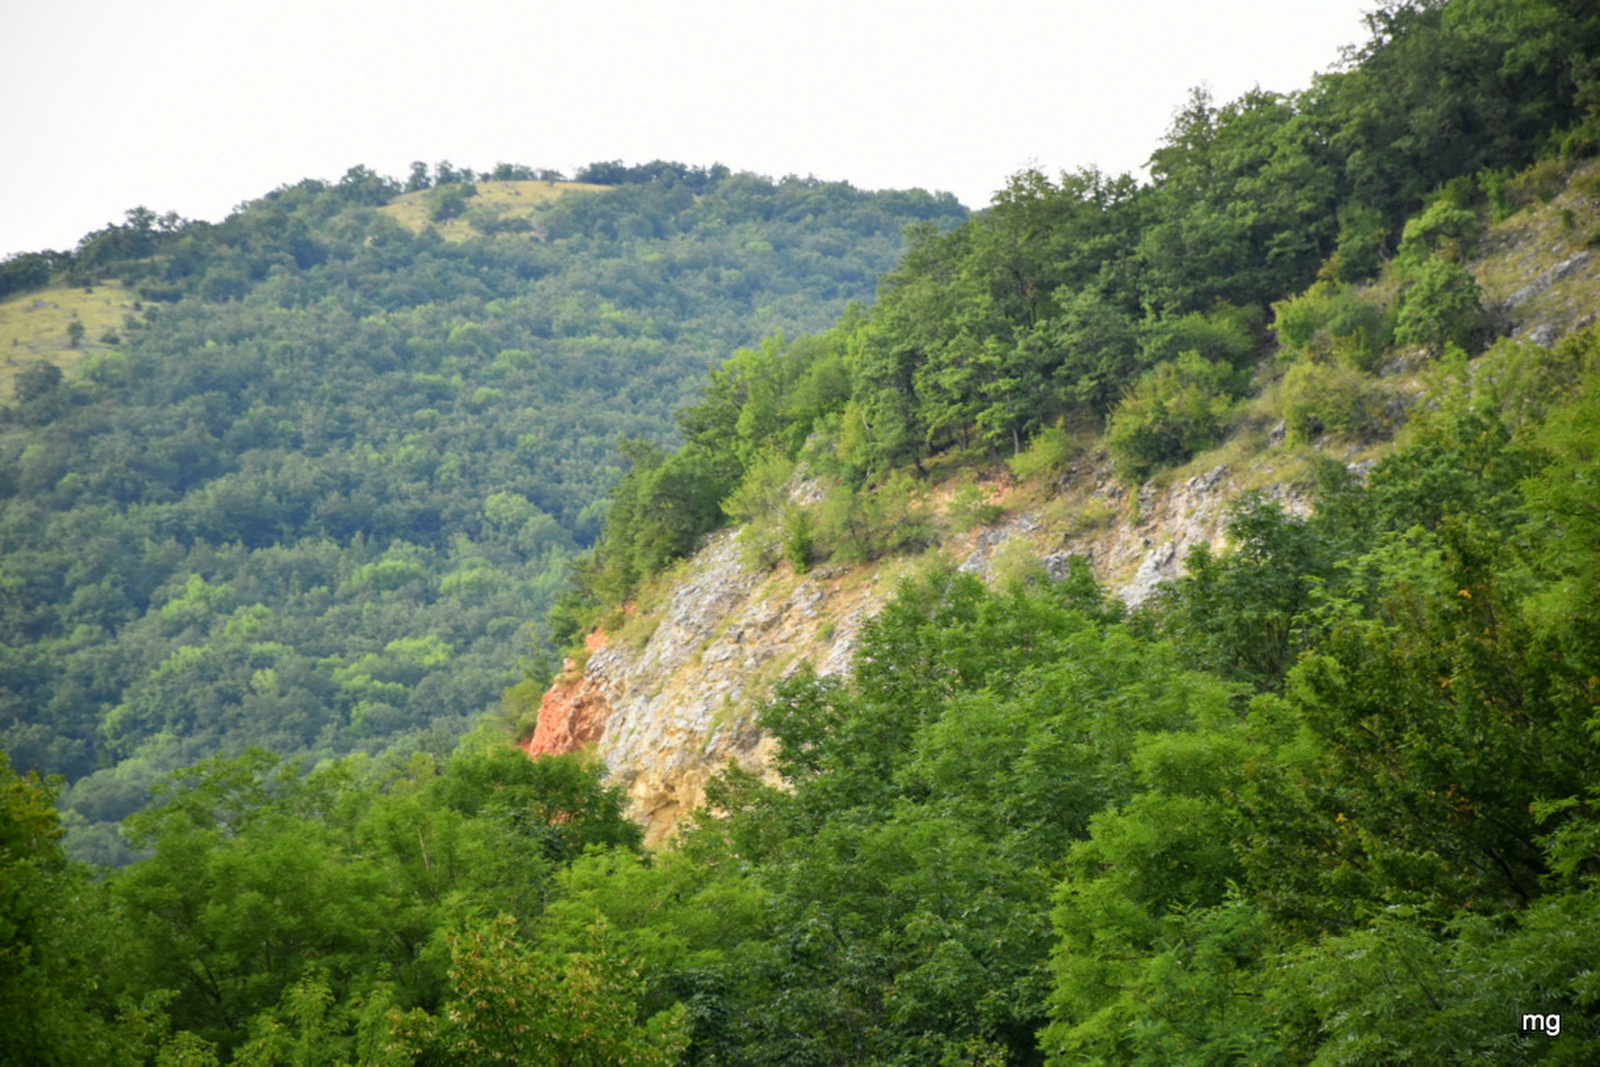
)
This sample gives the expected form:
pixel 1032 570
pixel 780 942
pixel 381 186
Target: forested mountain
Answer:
pixel 318 491
pixel 1330 797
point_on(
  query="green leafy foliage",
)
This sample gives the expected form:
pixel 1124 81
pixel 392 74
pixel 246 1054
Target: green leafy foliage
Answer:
pixel 972 750
pixel 1329 323
pixel 853 527
pixel 1442 306
pixel 514 1006
pixel 1051 449
pixel 1041 310
pixel 449 201
pixel 1174 410
pixel 1447 228
pixel 1234 613
pixel 1227 335
pixel 324 905
pixel 1323 398
pixel 657 514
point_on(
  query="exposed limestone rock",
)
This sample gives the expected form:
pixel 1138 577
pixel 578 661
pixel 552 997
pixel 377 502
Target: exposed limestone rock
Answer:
pixel 1564 269
pixel 1537 269
pixel 1359 471
pixel 572 714
pixel 1173 522
pixel 668 707
pixel 679 708
pixel 1543 335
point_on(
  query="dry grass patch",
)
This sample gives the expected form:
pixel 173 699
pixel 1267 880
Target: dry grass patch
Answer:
pixel 1253 459
pixel 1522 257
pixel 506 199
pixel 36 326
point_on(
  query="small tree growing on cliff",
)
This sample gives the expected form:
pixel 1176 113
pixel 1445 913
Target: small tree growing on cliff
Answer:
pixel 1174 410
pixel 1443 306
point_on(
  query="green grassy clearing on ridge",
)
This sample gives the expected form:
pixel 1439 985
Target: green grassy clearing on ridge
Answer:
pixel 34 326
pixel 523 199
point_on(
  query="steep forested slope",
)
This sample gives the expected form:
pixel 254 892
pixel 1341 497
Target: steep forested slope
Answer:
pixel 320 488
pixel 1326 798
pixel 1330 796
pixel 1090 299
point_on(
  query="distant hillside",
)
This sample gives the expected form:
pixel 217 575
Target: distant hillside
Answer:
pixel 58 325
pixel 312 474
pixel 465 210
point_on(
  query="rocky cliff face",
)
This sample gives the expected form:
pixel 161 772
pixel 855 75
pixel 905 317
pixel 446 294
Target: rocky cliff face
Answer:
pixel 669 700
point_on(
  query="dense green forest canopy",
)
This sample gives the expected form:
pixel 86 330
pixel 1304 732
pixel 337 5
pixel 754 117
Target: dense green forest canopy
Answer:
pixel 1093 300
pixel 321 488
pixel 1329 798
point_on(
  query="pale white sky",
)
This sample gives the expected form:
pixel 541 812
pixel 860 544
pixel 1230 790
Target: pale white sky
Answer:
pixel 197 105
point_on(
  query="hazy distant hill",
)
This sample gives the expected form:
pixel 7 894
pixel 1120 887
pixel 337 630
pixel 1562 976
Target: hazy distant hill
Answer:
pixel 317 489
